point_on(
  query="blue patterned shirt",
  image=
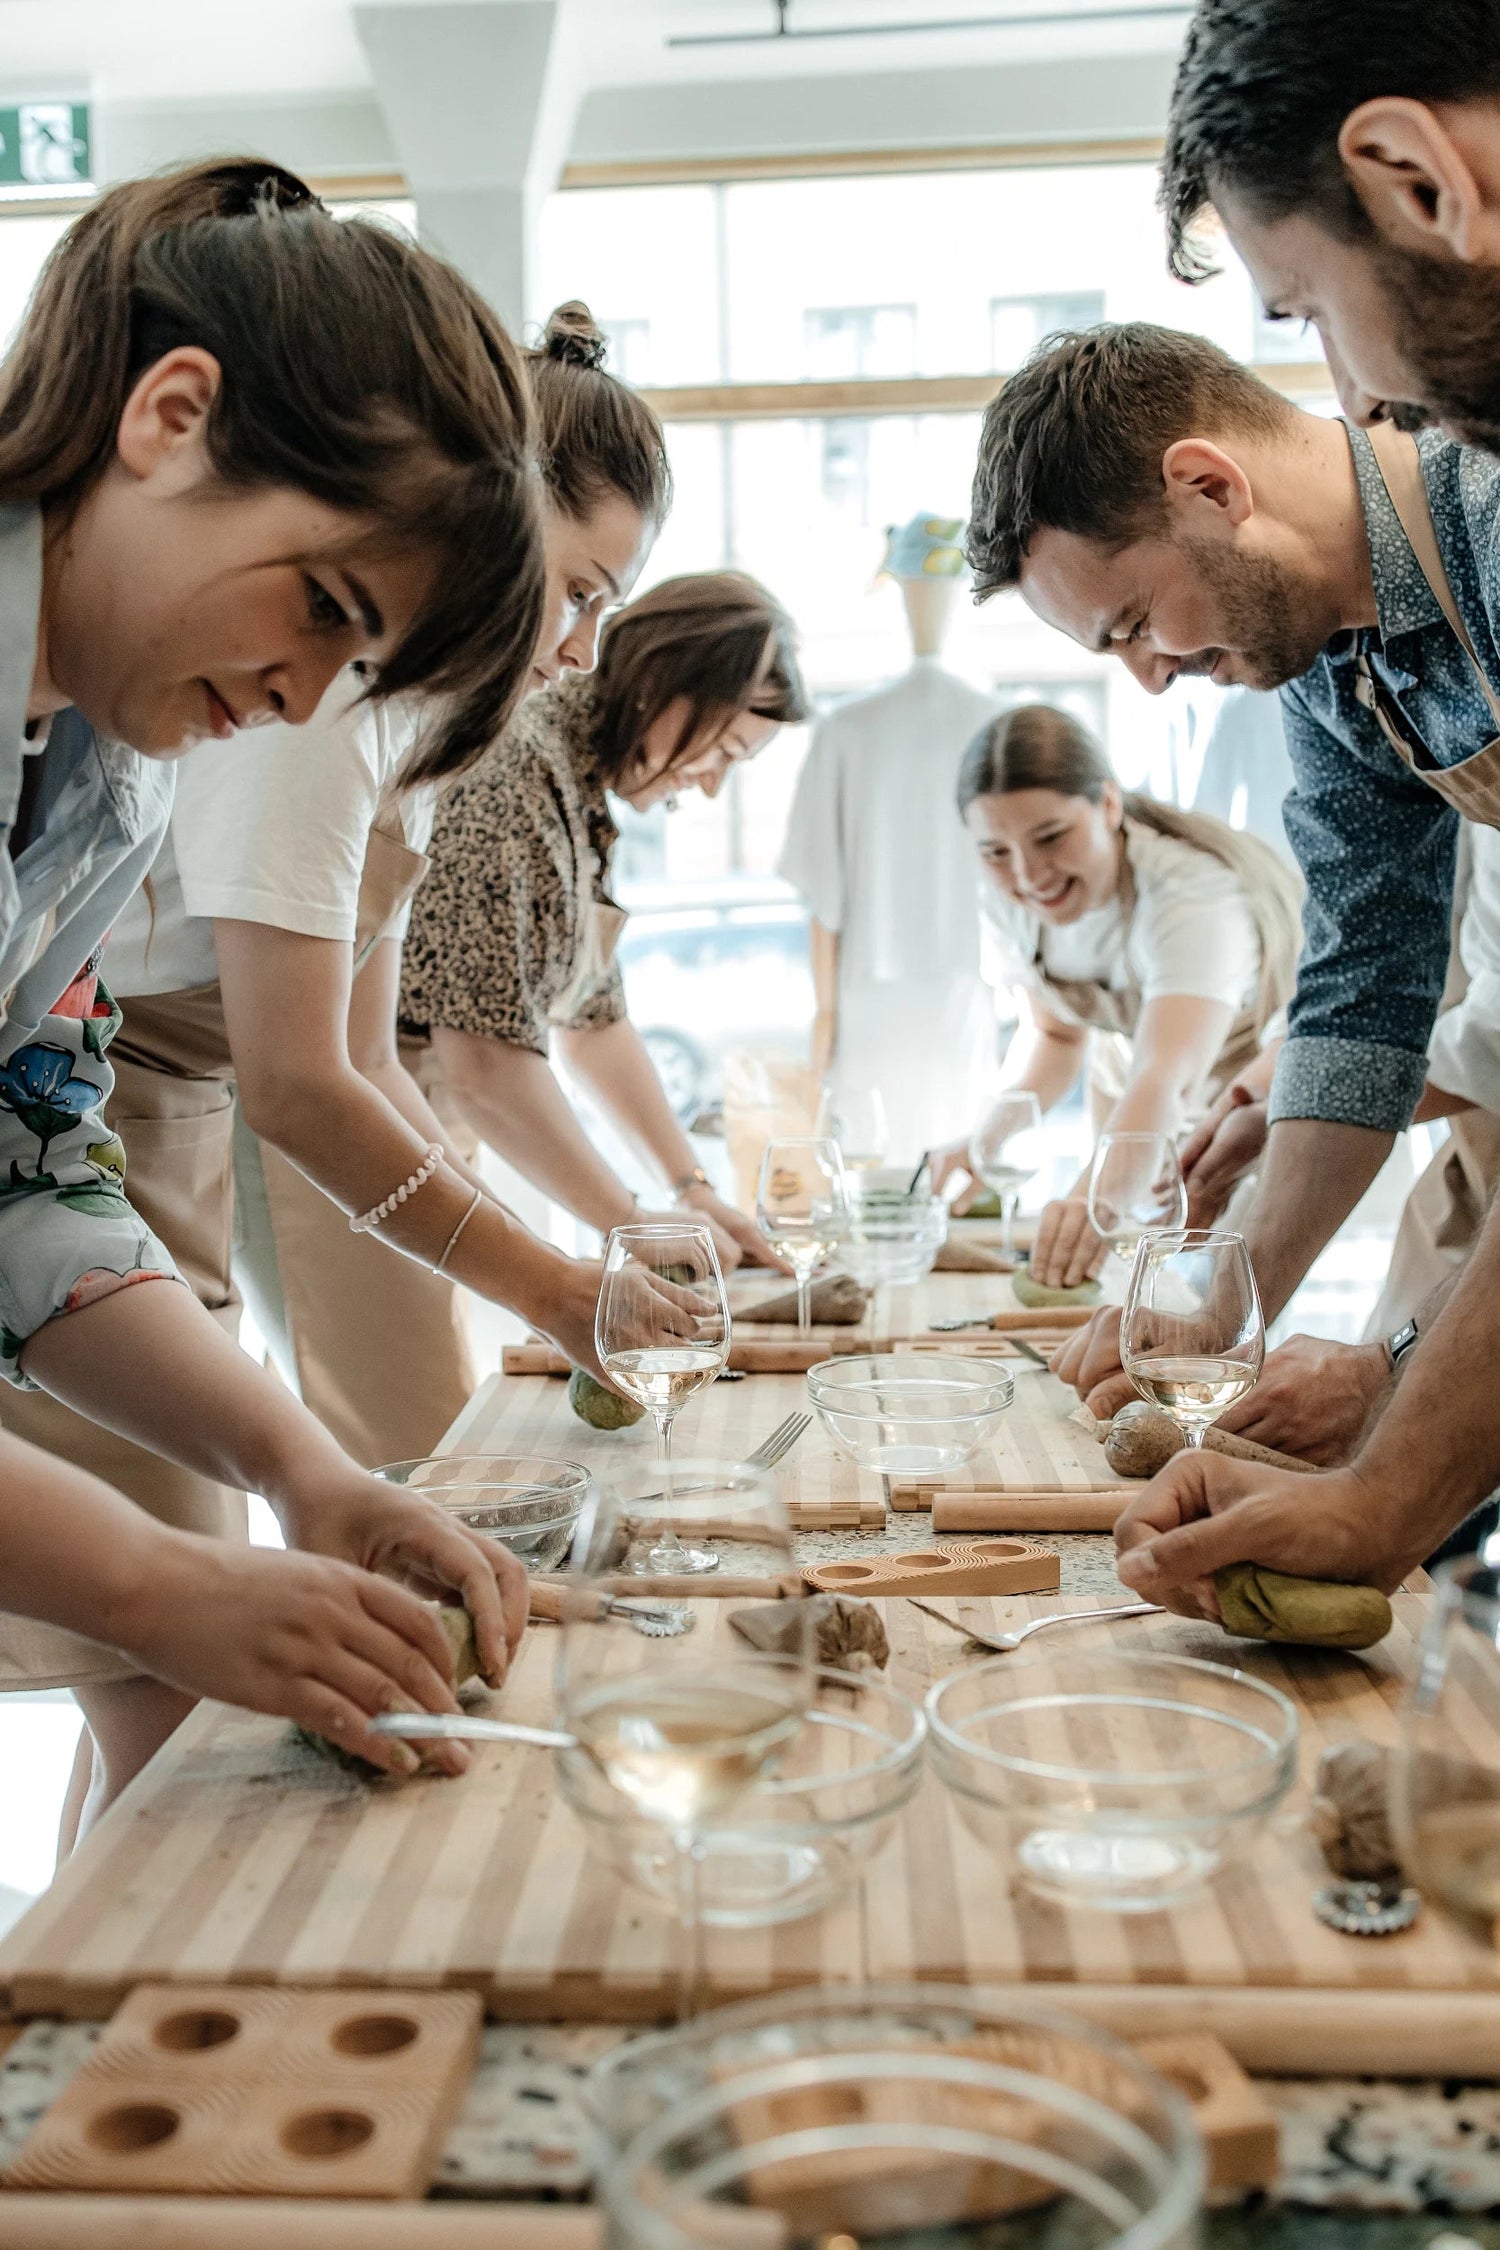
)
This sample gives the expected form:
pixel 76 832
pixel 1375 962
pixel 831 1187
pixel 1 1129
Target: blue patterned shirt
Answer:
pixel 1376 844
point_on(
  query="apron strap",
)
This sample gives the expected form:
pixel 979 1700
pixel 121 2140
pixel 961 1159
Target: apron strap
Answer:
pixel 1400 466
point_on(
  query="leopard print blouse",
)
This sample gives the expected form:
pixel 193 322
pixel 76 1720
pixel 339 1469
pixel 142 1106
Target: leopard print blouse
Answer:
pixel 495 934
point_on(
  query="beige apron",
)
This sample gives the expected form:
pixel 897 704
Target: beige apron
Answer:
pixel 173 1107
pixel 379 1342
pixel 1446 1208
pixel 382 1346
pixel 1113 1015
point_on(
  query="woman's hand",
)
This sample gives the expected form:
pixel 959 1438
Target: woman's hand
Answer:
pixel 1228 1144
pixel 747 1244
pixel 1205 1510
pixel 301 1637
pixel 381 1527
pixel 951 1162
pixel 1066 1250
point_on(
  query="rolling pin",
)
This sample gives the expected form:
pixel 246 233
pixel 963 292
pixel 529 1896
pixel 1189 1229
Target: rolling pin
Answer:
pixel 1142 1440
pixel 183 2222
pixel 1026 1511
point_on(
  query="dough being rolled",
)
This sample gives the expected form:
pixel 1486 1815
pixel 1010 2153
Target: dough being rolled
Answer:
pixel 1032 1293
pixel 1268 1605
pixel 837 1301
pixel 458 1626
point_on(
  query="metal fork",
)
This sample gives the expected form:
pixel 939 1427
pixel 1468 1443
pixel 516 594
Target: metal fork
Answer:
pixel 1003 1643
pixel 766 1455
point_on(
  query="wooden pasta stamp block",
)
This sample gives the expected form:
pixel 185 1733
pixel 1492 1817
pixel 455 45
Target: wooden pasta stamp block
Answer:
pixel 963 1566
pixel 1238 2124
pixel 230 2090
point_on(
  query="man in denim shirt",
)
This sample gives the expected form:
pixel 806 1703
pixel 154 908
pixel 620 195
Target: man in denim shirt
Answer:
pixel 1156 502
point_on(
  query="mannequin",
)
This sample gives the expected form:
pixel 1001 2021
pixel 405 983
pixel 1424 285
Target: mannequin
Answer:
pixel 877 852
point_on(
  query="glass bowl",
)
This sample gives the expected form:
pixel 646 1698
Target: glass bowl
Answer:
pixel 528 1504
pixel 802 1835
pixel 1120 1782
pixel 893 1237
pixel 909 1413
pixel 893 2112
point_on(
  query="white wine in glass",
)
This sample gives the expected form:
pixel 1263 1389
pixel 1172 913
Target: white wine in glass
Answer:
pixel 662 1332
pixel 681 1728
pixel 854 1117
pixel 1005 1152
pixel 802 1209
pixel 1192 1335
pixel 1136 1187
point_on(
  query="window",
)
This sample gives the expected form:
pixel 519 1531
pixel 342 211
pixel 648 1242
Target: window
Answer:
pixel 629 348
pixel 861 340
pixel 1018 324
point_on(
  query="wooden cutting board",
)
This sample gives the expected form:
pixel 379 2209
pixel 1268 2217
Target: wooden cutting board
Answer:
pixel 910 1308
pixel 1038 1450
pixel 240 1858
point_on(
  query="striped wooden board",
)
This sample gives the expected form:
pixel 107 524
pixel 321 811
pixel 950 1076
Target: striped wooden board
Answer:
pixel 910 1308
pixel 239 1857
pixel 1039 1450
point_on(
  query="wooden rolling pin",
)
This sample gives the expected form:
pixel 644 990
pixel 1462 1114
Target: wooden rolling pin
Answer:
pixel 1142 1440
pixel 184 2222
pixel 1027 1511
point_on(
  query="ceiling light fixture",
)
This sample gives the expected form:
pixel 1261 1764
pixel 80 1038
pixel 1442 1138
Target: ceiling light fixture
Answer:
pixel 783 29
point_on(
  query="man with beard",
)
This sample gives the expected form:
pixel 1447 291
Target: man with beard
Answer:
pixel 1352 150
pixel 1153 500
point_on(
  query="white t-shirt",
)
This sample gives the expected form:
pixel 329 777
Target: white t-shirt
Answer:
pixel 1464 1057
pixel 270 826
pixel 1192 934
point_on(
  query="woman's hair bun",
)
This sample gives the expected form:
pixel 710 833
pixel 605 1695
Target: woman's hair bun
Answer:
pixel 572 339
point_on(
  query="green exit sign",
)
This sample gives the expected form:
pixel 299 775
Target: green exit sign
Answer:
pixel 45 144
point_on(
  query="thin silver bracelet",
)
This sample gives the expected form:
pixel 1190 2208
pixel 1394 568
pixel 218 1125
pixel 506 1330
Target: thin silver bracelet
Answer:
pixel 452 1243
pixel 372 1218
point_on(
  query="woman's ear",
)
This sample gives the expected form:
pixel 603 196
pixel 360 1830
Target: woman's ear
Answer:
pixel 164 420
pixel 1427 182
pixel 1112 805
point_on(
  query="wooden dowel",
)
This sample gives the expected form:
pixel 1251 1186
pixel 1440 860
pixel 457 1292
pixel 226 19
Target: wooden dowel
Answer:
pixel 552 1597
pixel 1027 1511
pixel 182 2222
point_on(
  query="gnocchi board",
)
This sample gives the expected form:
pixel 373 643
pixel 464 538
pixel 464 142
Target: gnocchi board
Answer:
pixel 1039 1453
pixel 239 1857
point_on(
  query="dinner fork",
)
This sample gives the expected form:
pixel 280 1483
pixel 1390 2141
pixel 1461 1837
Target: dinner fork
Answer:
pixel 1003 1643
pixel 766 1455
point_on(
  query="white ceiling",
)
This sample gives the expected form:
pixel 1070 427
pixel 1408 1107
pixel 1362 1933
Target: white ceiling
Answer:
pixel 175 50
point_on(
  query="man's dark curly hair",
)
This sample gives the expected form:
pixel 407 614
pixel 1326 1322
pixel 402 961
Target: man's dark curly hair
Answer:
pixel 1075 440
pixel 1263 89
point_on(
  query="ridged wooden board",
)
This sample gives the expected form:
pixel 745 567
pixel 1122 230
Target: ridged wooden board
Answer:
pixel 238 1858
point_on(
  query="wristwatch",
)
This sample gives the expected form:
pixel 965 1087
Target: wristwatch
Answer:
pixel 696 1178
pixel 1397 1346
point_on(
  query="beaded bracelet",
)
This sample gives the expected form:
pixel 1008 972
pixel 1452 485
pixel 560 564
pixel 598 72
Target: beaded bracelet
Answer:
pixel 432 1158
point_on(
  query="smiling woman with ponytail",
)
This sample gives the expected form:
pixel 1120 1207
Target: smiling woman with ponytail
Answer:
pixel 243 448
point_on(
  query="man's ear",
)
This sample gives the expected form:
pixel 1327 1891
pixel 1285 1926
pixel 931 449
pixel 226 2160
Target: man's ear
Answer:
pixel 163 421
pixel 1420 178
pixel 1199 475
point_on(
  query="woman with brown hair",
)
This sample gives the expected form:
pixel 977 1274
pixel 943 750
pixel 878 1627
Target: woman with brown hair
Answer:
pixel 291 854
pixel 1158 945
pixel 243 448
pixel 512 940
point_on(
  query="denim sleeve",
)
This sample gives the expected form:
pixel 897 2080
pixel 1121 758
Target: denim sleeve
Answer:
pixel 1376 846
pixel 68 1234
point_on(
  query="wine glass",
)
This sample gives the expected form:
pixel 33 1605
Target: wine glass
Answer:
pixel 1445 1768
pixel 662 1332
pixel 1136 1187
pixel 1005 1152
pixel 681 1727
pixel 802 1209
pixel 1192 1334
pixel 855 1118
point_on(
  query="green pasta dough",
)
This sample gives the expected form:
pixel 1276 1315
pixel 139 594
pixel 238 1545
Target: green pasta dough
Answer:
pixel 600 1407
pixel 1267 1605
pixel 1031 1293
pixel 458 1626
